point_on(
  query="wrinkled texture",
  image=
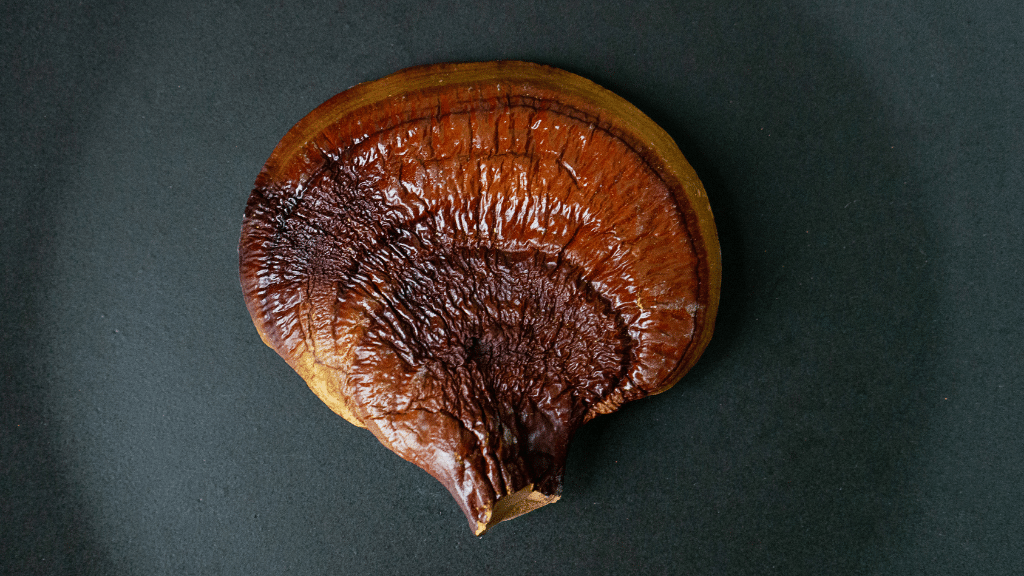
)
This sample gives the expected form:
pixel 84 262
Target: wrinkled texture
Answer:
pixel 471 273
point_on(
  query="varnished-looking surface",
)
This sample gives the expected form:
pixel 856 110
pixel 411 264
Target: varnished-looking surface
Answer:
pixel 473 260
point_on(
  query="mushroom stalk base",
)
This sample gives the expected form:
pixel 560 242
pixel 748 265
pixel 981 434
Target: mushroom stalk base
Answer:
pixel 513 505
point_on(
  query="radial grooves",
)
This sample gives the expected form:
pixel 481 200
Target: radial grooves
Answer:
pixel 473 269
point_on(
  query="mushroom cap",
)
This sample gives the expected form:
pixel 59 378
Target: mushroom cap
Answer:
pixel 472 260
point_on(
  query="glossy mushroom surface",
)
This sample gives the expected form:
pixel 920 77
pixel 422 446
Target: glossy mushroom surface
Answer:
pixel 472 260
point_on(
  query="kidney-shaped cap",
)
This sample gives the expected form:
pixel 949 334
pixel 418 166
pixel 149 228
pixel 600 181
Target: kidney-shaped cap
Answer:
pixel 472 260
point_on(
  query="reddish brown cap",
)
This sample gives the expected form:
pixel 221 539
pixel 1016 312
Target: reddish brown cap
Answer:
pixel 472 260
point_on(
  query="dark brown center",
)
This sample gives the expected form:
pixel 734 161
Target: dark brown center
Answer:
pixel 476 363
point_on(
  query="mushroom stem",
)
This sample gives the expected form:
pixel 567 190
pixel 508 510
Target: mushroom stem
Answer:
pixel 516 504
pixel 495 467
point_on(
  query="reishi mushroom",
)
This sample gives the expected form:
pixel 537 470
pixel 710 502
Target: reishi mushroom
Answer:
pixel 473 260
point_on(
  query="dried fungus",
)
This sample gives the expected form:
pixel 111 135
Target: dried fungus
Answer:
pixel 472 260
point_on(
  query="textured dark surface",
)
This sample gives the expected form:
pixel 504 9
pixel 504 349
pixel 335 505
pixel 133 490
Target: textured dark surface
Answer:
pixel 472 271
pixel 859 410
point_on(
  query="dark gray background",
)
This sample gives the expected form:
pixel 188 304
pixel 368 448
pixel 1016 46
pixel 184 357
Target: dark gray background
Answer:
pixel 858 412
